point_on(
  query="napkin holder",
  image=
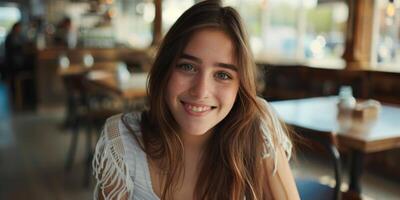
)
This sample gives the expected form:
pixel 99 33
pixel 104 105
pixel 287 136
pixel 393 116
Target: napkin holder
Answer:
pixel 368 109
pixel 363 110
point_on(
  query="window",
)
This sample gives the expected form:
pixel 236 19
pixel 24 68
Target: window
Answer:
pixel 252 12
pixel 133 22
pixel 295 30
pixel 325 29
pixel 171 10
pixel 386 51
pixel 111 23
pixel 9 15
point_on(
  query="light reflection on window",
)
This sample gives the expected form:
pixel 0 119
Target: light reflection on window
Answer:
pixel 133 22
pixel 294 30
pixel 325 32
pixel 171 10
pixel 386 52
pixel 9 15
pixel 252 12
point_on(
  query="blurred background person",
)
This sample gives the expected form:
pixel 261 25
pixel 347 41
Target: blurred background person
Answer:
pixel 65 35
pixel 14 48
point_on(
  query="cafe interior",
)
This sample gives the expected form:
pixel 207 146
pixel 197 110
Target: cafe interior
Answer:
pixel 329 68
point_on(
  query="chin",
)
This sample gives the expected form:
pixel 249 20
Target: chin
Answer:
pixel 198 131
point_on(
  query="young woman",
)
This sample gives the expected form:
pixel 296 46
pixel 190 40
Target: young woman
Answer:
pixel 205 135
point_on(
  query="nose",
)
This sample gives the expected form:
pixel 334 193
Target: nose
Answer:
pixel 200 87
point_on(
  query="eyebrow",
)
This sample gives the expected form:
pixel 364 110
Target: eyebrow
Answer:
pixel 198 60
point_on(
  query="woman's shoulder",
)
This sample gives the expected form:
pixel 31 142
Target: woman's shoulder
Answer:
pixel 122 132
pixel 120 138
pixel 123 124
pixel 133 118
pixel 117 154
pixel 274 131
pixel 119 132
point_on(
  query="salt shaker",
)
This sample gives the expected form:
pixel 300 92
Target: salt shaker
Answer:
pixel 346 99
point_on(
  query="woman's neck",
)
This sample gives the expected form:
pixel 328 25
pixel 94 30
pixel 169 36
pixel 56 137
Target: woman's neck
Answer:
pixel 195 143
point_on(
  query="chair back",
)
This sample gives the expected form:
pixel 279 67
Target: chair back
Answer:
pixel 327 140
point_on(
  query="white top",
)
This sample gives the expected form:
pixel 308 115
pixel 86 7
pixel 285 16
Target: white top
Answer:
pixel 119 161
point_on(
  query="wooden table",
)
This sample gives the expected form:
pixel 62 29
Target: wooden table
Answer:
pixel 360 136
pixel 80 69
pixel 102 75
pixel 100 79
pixel 133 88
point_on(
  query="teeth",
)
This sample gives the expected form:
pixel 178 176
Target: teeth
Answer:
pixel 198 108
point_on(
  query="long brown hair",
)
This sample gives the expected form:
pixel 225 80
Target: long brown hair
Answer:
pixel 232 166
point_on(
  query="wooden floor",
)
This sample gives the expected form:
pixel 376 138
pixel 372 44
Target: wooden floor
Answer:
pixel 32 160
pixel 374 186
pixel 33 148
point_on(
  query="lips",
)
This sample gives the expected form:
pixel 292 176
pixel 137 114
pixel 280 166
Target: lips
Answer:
pixel 196 108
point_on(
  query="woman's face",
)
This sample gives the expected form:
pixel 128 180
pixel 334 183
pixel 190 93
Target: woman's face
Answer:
pixel 204 82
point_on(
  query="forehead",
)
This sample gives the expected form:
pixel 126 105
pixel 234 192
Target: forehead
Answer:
pixel 213 44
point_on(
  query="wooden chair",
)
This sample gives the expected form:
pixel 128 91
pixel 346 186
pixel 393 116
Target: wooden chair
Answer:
pixel 312 189
pixel 20 79
pixel 84 115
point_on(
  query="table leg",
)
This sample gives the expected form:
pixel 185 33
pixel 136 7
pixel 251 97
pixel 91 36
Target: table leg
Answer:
pixel 356 168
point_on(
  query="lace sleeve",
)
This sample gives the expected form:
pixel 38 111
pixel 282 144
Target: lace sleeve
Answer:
pixel 109 167
pixel 275 135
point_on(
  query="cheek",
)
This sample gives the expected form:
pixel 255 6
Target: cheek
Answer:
pixel 170 91
pixel 228 94
pixel 175 85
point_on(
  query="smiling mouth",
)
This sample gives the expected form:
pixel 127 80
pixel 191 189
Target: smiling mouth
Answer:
pixel 195 108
